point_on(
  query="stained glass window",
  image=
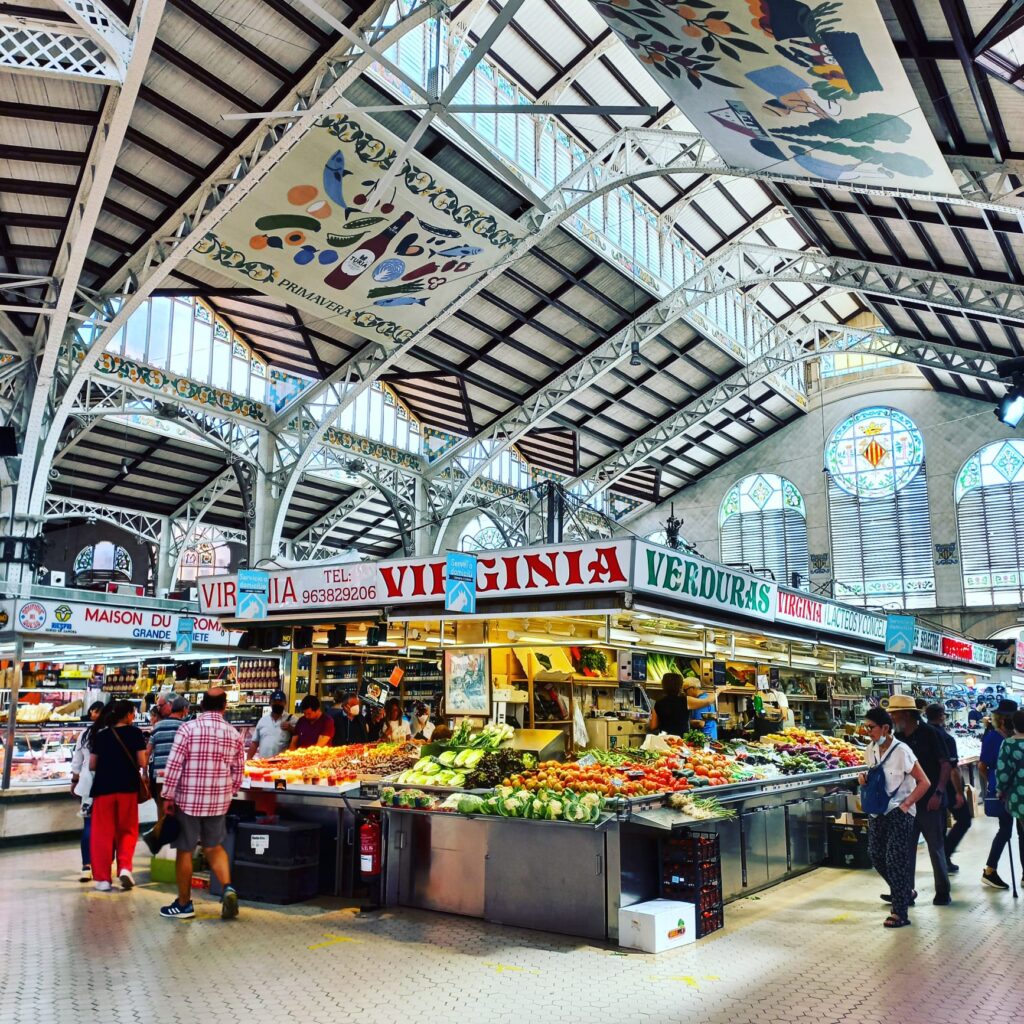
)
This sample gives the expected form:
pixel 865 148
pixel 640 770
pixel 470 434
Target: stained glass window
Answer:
pixel 989 495
pixel 480 534
pixel 878 511
pixel 875 452
pixel 206 557
pixel 762 525
pixel 102 562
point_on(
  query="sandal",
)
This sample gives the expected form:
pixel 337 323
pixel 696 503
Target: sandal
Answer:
pixel 886 897
pixel 893 921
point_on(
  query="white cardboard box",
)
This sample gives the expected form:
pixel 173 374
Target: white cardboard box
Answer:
pixel 657 925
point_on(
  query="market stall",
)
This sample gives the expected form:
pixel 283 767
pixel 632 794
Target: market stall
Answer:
pixel 576 639
pixel 62 650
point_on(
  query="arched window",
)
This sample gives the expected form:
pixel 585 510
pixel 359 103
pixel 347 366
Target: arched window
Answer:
pixel 989 497
pixel 762 524
pixel 208 556
pixel 878 511
pixel 480 534
pixel 101 563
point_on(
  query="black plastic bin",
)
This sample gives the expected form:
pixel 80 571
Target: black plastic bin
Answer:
pixel 269 883
pixel 284 844
pixel 848 843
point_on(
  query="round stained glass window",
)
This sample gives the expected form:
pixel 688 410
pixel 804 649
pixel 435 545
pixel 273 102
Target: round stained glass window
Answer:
pixel 874 453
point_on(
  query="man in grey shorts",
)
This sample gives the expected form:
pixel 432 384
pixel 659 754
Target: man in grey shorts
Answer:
pixel 204 771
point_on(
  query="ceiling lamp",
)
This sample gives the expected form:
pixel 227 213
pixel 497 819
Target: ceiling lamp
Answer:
pixel 1010 409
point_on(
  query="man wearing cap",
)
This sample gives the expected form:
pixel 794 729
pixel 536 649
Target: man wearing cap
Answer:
pixel 349 724
pixel 935 715
pixel 273 731
pixel 161 739
pixel 204 771
pixel 930 820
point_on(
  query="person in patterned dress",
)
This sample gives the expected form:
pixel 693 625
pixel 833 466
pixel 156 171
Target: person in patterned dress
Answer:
pixel 1010 776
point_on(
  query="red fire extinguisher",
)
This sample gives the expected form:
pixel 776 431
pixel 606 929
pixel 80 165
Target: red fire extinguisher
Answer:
pixel 369 847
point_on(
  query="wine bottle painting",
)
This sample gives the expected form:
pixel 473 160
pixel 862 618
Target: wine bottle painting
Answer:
pixel 319 233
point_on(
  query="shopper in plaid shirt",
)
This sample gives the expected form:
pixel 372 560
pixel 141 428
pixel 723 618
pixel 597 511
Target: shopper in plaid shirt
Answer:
pixel 204 771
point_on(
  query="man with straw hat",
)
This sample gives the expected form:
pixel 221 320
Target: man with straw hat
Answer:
pixel 930 820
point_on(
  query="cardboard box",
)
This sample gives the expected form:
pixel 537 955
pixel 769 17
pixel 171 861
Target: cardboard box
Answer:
pixel 657 925
pixel 508 696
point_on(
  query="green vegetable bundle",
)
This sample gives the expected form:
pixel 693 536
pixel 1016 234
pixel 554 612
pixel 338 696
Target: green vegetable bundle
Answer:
pixel 495 766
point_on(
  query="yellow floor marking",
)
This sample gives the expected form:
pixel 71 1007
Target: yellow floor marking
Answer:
pixel 333 940
pixel 838 918
pixel 507 968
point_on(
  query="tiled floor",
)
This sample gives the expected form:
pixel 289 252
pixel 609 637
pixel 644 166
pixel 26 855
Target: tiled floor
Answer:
pixel 811 949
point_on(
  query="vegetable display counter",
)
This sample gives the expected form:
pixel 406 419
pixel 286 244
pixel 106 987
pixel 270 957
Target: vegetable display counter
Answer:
pixel 533 852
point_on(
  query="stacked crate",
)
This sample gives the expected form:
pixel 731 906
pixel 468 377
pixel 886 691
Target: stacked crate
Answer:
pixel 691 871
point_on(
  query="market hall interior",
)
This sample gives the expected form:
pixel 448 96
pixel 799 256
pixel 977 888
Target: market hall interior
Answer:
pixel 481 481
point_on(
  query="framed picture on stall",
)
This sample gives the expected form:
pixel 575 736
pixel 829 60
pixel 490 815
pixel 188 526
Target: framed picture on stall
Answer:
pixel 467 681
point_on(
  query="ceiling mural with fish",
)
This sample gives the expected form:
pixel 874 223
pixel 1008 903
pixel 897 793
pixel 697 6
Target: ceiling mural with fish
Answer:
pixel 308 234
pixel 805 89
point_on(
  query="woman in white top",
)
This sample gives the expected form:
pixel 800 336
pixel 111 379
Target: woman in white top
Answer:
pixel 891 835
pixel 395 727
pixel 81 786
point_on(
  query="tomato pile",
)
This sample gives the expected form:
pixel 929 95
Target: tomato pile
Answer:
pixel 690 769
pixel 629 779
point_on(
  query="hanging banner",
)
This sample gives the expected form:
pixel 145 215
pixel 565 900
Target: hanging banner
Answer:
pixel 184 635
pixel 560 569
pixel 460 582
pixel 114 622
pixel 900 633
pixel 664 571
pixel 253 585
pixel 809 89
pixel 304 235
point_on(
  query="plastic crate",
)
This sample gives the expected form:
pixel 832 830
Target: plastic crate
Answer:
pixel 268 883
pixel 710 920
pixel 691 871
pixel 692 846
pixel 285 844
pixel 848 845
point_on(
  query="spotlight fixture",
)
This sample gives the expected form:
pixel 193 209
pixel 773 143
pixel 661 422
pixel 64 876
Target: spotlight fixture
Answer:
pixel 634 354
pixel 1010 409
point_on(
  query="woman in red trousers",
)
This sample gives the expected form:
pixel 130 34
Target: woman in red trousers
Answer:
pixel 117 757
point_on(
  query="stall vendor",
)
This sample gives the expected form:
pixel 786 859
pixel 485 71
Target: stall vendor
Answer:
pixel 706 719
pixel 314 728
pixel 273 731
pixel 673 712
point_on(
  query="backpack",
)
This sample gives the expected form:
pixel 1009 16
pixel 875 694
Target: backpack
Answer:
pixel 874 798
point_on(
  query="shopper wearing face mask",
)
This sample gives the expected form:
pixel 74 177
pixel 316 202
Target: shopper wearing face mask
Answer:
pixel 891 835
pixel 349 724
pixel 422 727
pixel 273 732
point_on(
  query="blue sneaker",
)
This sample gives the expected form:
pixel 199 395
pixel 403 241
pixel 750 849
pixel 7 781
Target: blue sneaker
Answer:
pixel 178 910
pixel 229 904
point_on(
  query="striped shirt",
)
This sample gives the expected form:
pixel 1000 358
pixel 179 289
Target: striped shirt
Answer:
pixel 162 739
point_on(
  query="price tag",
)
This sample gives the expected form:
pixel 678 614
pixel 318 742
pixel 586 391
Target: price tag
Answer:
pixel 587 760
pixel 280 784
pixel 259 844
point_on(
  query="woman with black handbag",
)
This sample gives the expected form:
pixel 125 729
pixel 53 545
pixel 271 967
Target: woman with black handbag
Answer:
pixel 119 784
pixel 902 783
